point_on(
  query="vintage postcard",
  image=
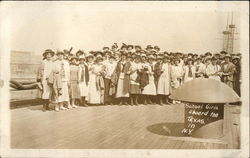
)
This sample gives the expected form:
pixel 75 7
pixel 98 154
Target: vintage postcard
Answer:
pixel 124 79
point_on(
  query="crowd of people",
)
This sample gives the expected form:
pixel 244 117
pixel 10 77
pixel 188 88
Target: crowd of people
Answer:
pixel 128 75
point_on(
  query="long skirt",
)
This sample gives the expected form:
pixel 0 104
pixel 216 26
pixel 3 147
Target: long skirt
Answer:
pixel 163 87
pixel 135 89
pixel 46 90
pixel 150 89
pixel 119 91
pixel 84 89
pixel 65 92
pixel 107 84
pixel 188 79
pixel 74 90
pixel 94 96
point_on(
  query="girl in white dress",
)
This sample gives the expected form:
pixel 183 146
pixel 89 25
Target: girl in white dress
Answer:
pixel 149 91
pixel 96 84
pixel 83 79
pixel 163 88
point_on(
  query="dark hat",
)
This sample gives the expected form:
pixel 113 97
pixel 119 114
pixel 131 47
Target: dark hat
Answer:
pixel 156 48
pixel 73 57
pixel 149 47
pixel 223 52
pixel 213 58
pixel 208 53
pixel 111 57
pixel 199 58
pixel 130 46
pixel 137 46
pixel 105 48
pixel 80 52
pixel 190 54
pixel 124 46
pixel 59 53
pixel 235 57
pixel 177 59
pixel 47 51
pixel 98 53
pixel 195 55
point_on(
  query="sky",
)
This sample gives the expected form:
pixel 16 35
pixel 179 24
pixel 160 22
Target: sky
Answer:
pixel 187 27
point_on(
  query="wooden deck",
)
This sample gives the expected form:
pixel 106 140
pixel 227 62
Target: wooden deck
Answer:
pixel 115 127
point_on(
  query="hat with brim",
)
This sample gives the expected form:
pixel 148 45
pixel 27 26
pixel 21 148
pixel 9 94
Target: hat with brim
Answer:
pixel 235 57
pixel 74 57
pixel 227 56
pixel 90 56
pixel 111 57
pixel 99 57
pixel 48 51
pixel 149 47
pixel 81 57
pixel 80 52
pixel 156 48
pixel 206 59
pixel 60 53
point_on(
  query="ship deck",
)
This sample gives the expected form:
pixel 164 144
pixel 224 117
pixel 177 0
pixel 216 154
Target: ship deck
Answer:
pixel 115 127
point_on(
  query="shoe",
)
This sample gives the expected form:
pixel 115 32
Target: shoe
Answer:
pixel 63 108
pixel 69 107
pixel 56 109
pixel 74 106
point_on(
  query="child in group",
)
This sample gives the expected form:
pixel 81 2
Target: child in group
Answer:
pixel 83 80
pixel 74 87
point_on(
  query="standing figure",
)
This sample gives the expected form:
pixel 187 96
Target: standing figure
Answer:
pixel 189 71
pixel 237 74
pixel 213 70
pixel 163 88
pixel 44 72
pixel 176 72
pixel 96 83
pixel 227 69
pixel 74 89
pixel 110 66
pixel 62 67
pixel 83 80
pixel 149 91
pixel 199 68
pixel 120 79
pixel 134 73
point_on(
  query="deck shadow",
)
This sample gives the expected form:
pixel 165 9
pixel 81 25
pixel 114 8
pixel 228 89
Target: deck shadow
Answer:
pixel 167 129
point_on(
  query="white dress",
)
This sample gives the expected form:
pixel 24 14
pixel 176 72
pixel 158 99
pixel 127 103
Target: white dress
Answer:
pixel 150 89
pixel 84 88
pixel 47 68
pixel 176 75
pixel 164 81
pixel 59 66
pixel 94 95
pixel 211 69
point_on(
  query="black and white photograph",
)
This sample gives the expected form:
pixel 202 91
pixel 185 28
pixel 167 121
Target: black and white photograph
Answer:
pixel 138 79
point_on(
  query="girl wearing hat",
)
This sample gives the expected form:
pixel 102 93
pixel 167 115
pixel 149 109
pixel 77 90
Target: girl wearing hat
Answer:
pixel 74 90
pixel 62 67
pixel 109 70
pixel 45 70
pixel 96 83
pixel 189 71
pixel 134 71
pixel 120 79
pixel 213 70
pixel 163 88
pixel 228 70
pixel 149 91
pixel 83 80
